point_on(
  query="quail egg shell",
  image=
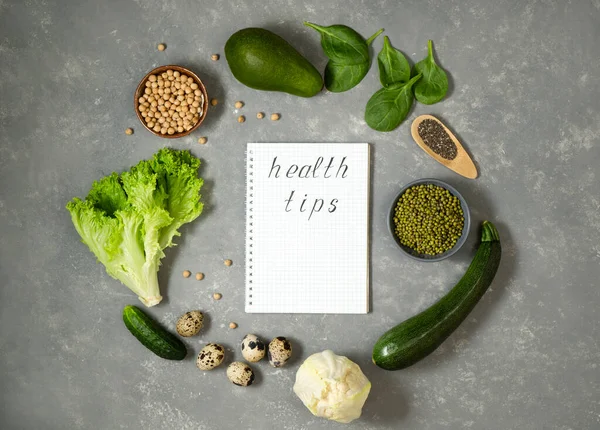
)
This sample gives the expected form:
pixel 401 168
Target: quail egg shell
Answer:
pixel 253 349
pixel 210 356
pixel 240 374
pixel 190 323
pixel 280 351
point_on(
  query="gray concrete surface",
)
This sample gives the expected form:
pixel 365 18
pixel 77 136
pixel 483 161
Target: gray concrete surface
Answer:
pixel 524 100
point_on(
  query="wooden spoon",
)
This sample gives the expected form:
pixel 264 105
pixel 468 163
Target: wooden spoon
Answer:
pixel 461 164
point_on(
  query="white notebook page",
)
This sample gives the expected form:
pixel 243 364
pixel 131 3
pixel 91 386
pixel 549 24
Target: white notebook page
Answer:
pixel 307 208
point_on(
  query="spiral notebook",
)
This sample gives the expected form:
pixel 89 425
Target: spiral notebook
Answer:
pixel 307 228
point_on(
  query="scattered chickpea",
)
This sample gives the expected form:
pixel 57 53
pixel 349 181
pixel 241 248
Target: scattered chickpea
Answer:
pixel 161 47
pixel 199 276
pixel 186 273
pixel 129 131
pixel 260 115
pixel 213 102
pixel 239 104
pixel 275 117
pixel 202 140
pixel 228 263
pixel 215 57
pixel 241 119
pixel 233 325
pixel 217 296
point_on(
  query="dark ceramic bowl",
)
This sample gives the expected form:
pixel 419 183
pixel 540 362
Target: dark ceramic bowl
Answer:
pixel 463 237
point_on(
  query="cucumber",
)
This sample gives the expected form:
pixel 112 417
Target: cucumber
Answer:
pixel 417 337
pixel 152 335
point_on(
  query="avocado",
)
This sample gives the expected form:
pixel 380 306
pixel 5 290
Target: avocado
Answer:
pixel 262 60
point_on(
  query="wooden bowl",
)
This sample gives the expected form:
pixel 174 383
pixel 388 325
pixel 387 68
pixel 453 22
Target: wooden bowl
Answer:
pixel 142 85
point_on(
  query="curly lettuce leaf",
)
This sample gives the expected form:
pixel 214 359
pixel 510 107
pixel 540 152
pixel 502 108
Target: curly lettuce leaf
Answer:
pixel 128 220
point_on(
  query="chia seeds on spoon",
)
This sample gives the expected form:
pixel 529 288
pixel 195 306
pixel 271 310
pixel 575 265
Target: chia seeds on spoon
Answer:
pixel 436 138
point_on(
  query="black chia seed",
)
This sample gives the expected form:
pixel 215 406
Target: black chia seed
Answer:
pixel 435 137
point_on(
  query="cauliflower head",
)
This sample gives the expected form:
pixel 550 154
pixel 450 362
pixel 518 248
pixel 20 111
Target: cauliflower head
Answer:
pixel 332 386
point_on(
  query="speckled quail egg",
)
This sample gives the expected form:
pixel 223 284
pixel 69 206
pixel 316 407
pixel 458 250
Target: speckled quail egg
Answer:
pixel 253 349
pixel 240 374
pixel 280 351
pixel 210 356
pixel 190 323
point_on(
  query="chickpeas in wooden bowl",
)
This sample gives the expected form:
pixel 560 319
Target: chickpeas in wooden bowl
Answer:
pixel 171 101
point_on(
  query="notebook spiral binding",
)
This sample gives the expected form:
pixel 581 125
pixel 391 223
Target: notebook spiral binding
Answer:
pixel 249 224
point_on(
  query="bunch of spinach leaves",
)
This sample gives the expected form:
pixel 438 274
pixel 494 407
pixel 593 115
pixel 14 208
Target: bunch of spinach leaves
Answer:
pixel 389 106
pixel 349 62
pixel 348 54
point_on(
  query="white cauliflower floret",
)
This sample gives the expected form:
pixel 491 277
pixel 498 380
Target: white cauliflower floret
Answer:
pixel 332 386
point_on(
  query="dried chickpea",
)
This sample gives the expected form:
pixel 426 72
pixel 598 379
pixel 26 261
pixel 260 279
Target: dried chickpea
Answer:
pixel 260 115
pixel 233 325
pixel 228 262
pixel 214 57
pixel 275 117
pixel 187 273
pixel 171 130
pixel 129 131
pixel 152 78
pixel 217 296
pixel 161 47
pixel 214 102
pixel 194 86
pixel 202 140
pixel 239 104
pixel 199 276
pixel 241 119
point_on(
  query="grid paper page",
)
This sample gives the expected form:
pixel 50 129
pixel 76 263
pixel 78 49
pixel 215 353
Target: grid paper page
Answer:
pixel 307 208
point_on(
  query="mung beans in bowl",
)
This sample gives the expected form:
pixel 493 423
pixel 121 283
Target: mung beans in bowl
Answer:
pixel 171 101
pixel 429 220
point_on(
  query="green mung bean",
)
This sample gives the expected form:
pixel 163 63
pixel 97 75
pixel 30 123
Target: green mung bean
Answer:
pixel 428 219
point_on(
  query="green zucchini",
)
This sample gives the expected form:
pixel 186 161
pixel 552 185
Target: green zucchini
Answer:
pixel 152 335
pixel 417 337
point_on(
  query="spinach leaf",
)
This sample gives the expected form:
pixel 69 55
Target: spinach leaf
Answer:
pixel 348 54
pixel 338 76
pixel 393 66
pixel 434 85
pixel 388 107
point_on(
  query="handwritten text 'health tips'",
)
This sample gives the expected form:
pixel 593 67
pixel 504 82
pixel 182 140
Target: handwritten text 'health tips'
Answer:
pixel 311 204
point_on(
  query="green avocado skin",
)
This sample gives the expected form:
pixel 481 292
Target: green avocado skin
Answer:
pixel 262 60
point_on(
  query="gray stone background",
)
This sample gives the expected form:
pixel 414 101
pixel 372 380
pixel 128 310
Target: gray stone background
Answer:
pixel 524 100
